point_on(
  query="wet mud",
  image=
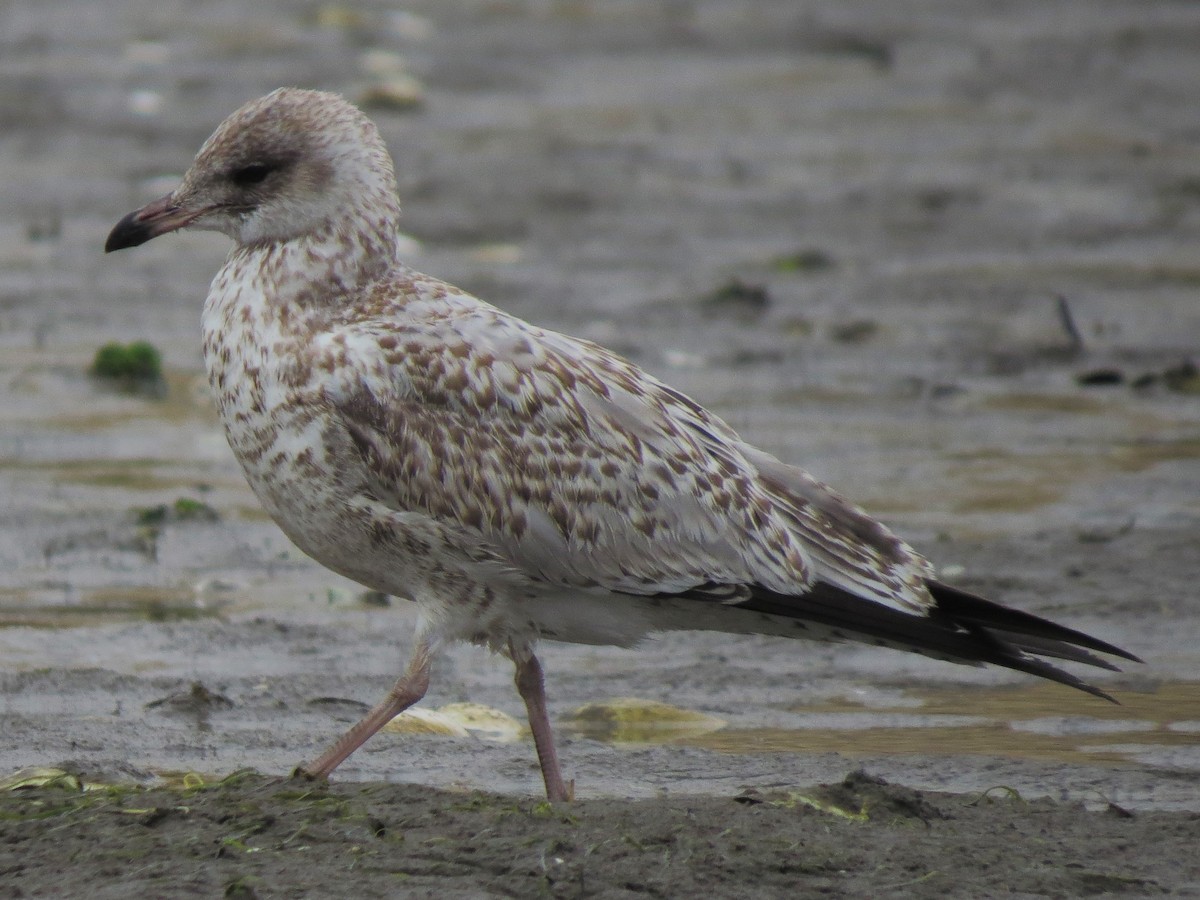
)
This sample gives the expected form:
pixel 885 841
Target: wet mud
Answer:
pixel 944 258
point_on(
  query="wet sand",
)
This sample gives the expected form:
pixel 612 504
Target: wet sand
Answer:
pixel 945 260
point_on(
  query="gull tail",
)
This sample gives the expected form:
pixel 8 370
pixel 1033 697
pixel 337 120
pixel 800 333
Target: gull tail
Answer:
pixel 962 628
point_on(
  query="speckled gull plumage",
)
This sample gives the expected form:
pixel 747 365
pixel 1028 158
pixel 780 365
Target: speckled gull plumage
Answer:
pixel 517 484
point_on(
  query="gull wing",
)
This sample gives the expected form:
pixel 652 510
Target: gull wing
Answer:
pixel 586 471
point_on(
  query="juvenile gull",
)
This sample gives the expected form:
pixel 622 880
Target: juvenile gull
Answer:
pixel 516 483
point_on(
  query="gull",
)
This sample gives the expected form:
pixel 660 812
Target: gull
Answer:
pixel 517 484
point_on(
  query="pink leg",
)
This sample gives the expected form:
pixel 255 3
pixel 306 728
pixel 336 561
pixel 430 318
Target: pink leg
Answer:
pixel 533 691
pixel 408 689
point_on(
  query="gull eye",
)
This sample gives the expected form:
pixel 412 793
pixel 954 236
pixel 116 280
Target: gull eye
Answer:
pixel 250 175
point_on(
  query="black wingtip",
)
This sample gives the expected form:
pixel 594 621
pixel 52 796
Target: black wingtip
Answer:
pixel 961 628
pixel 962 606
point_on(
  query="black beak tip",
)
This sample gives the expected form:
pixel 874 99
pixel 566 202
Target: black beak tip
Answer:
pixel 129 232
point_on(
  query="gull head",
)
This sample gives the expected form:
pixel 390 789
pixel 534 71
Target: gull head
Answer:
pixel 290 164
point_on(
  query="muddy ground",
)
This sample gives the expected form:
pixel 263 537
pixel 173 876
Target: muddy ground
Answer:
pixel 941 254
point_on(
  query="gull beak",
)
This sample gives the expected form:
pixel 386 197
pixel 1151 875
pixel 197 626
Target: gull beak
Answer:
pixel 155 218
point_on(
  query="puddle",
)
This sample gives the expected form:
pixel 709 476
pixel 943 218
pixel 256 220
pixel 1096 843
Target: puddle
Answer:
pixel 966 486
pixel 1035 722
pixel 631 720
pixel 1071 404
pixel 981 461
pixel 128 474
pixel 103 606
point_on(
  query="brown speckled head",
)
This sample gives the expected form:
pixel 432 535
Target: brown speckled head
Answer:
pixel 287 164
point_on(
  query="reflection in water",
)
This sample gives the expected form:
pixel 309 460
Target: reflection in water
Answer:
pixel 631 720
pixel 1034 722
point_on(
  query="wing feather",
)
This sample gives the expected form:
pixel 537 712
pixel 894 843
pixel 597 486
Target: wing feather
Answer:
pixel 586 471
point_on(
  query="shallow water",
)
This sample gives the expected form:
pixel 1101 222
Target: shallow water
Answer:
pixel 1155 726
